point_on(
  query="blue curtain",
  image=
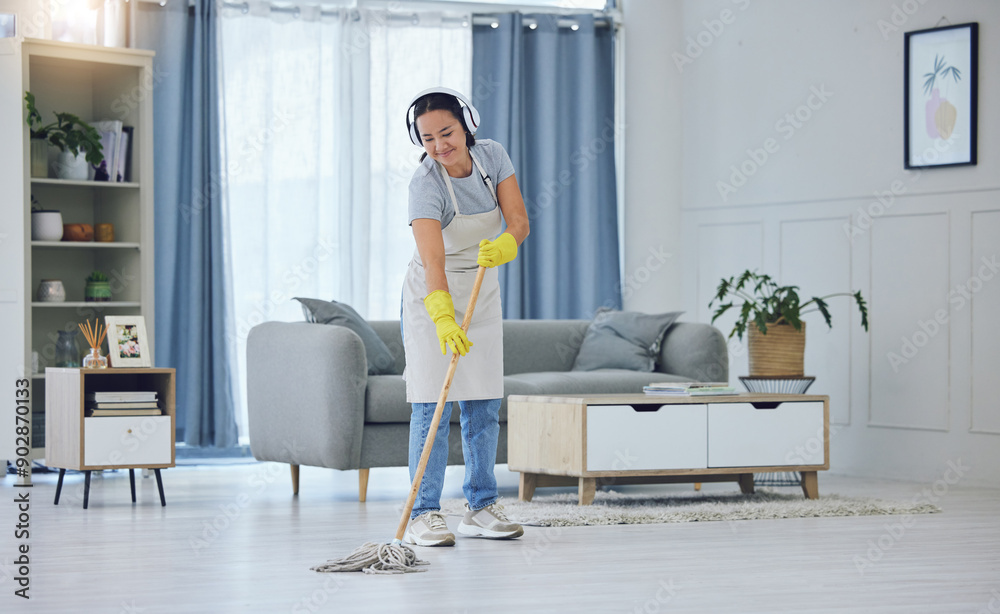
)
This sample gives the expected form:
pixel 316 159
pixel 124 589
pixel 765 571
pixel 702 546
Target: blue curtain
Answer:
pixel 192 282
pixel 547 95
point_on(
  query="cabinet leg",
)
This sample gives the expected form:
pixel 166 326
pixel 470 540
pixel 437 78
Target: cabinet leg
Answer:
pixel 746 483
pixel 159 486
pixel 131 482
pixel 86 489
pixel 362 485
pixel 810 485
pixel 62 472
pixel 295 479
pixel 526 486
pixel 588 488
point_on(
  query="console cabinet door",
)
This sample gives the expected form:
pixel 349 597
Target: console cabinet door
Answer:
pixel 622 438
pixel 740 435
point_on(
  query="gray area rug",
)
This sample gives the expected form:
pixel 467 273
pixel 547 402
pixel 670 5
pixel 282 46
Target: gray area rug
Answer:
pixel 609 507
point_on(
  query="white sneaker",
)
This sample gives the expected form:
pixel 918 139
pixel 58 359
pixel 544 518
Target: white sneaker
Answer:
pixel 429 529
pixel 490 522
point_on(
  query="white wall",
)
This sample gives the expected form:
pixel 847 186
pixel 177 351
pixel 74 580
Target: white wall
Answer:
pixel 921 249
pixel 33 19
pixel 652 173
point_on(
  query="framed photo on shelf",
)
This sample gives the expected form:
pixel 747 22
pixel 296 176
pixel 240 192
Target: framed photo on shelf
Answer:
pixel 128 345
pixel 940 89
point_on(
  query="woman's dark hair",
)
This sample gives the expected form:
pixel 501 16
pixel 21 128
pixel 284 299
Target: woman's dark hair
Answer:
pixel 442 102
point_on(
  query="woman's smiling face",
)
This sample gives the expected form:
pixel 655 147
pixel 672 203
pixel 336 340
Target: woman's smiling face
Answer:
pixel 444 139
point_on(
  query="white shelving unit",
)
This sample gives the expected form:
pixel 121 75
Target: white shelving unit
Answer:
pixel 93 83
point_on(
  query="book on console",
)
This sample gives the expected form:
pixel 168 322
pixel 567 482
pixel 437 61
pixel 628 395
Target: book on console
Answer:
pixel 121 405
pixel 122 396
pixel 122 412
pixel 688 388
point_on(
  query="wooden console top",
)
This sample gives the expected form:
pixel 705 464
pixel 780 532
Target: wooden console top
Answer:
pixel 664 399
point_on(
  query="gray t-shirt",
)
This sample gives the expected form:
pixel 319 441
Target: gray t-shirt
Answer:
pixel 429 198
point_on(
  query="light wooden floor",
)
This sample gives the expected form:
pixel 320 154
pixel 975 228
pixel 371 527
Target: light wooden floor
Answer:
pixel 233 539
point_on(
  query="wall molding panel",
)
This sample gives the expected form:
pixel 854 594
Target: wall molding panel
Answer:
pixel 983 287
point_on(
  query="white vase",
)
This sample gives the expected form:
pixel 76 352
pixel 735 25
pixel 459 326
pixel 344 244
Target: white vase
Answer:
pixel 67 166
pixel 39 158
pixel 46 226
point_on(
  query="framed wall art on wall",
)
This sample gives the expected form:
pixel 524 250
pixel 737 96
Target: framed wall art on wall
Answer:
pixel 940 87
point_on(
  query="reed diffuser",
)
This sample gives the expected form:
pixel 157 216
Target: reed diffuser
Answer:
pixel 95 337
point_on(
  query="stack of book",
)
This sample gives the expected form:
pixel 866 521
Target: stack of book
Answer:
pixel 122 403
pixel 116 145
pixel 694 389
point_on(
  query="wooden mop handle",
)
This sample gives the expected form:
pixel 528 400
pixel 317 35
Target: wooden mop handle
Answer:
pixel 436 420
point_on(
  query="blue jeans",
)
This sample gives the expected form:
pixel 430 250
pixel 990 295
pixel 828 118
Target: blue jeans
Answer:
pixel 480 432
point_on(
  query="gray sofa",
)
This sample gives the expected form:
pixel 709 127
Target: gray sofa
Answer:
pixel 312 402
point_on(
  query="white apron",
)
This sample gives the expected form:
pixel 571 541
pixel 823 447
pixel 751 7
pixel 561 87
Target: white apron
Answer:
pixel 479 374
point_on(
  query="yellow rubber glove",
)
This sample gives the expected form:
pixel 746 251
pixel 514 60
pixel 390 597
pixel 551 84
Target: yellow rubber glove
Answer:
pixel 497 252
pixel 442 312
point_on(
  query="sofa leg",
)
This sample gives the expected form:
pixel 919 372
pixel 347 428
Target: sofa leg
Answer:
pixel 362 485
pixel 295 479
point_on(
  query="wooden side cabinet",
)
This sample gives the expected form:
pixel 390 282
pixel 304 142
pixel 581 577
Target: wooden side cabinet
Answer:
pixel 75 441
pixel 558 440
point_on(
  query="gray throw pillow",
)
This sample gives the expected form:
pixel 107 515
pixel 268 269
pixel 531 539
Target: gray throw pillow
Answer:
pixel 380 359
pixel 623 340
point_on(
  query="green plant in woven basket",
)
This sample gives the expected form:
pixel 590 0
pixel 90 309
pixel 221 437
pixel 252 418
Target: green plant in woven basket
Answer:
pixel 761 300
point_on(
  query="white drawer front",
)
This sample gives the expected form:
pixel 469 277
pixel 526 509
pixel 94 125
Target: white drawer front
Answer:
pixel 126 440
pixel 741 436
pixel 619 438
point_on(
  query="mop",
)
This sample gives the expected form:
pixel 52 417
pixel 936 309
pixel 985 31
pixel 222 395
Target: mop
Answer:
pixel 395 557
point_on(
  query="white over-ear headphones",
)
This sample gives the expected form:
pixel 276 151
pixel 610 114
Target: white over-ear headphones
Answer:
pixel 469 112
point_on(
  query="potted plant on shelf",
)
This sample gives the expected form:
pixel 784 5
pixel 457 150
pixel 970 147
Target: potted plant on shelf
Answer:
pixel 77 141
pixel 777 337
pixel 98 288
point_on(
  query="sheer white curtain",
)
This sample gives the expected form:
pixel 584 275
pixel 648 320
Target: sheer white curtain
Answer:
pixel 317 156
pixel 405 59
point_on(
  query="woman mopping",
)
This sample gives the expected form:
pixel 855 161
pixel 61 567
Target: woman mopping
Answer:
pixel 459 196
